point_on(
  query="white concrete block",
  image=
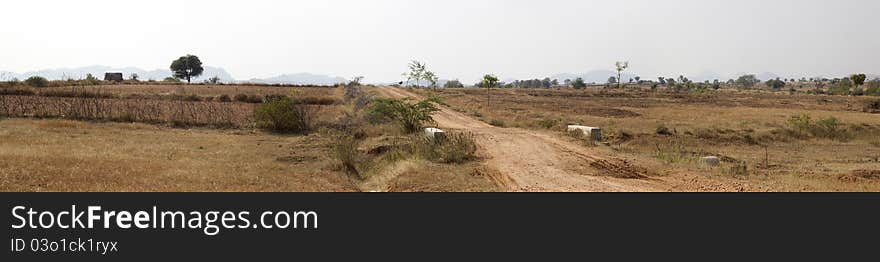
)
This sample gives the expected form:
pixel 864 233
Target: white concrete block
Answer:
pixel 592 132
pixel 711 160
pixel 434 133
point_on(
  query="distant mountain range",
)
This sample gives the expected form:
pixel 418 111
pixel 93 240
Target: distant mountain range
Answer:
pixel 160 74
pixel 98 71
pixel 300 79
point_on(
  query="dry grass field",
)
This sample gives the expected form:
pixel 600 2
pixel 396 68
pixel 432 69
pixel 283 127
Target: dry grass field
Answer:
pixel 201 138
pixel 671 131
pixel 53 153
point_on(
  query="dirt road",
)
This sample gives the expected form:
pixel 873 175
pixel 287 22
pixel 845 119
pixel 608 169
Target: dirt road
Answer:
pixel 537 161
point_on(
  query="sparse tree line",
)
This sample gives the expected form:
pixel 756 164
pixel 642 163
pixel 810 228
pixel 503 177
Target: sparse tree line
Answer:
pixel 855 84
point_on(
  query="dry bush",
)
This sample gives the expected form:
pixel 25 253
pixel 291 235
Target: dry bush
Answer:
pixel 283 116
pixel 673 151
pixel 872 106
pixel 345 151
pixel 803 126
pixel 497 122
pixel 456 148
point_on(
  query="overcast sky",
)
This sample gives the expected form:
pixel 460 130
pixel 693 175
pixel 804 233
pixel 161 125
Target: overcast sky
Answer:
pixel 457 38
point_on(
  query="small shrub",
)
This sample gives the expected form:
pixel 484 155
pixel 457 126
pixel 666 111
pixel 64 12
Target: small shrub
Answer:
pixel 738 169
pixel 456 148
pixel 497 122
pixel 92 80
pixel 12 82
pixel 224 98
pixel 872 106
pixel 36 81
pixel 171 80
pixel 192 98
pixel 345 151
pixel 355 96
pixel 410 116
pixel 241 98
pixel 549 123
pixel 284 116
pixel 663 131
pixel 673 152
pixel 803 126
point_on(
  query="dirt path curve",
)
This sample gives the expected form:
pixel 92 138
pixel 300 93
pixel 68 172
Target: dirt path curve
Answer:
pixel 541 162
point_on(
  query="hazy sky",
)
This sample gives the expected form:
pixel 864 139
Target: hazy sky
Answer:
pixel 456 38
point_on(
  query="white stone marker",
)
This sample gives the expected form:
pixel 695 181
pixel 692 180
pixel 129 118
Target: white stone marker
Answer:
pixel 436 134
pixel 592 132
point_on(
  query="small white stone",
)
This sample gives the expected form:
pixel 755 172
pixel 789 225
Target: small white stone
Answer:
pixel 592 132
pixel 434 133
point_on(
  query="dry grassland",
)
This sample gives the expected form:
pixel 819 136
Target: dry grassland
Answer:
pixel 746 128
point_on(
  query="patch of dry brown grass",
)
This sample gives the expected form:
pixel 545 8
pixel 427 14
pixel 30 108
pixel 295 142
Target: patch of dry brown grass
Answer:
pixel 58 155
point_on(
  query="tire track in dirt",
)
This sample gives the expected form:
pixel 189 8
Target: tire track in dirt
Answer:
pixel 540 162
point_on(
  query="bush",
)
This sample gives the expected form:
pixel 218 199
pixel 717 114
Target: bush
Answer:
pixel 803 126
pixel 345 150
pixel 410 116
pixel 873 88
pixel 872 106
pixel 92 80
pixel 549 123
pixel 241 98
pixel 284 116
pixel 497 122
pixel 171 80
pixel 253 99
pixel 664 131
pixel 224 98
pixel 453 84
pixel 456 148
pixel 842 87
pixel 36 81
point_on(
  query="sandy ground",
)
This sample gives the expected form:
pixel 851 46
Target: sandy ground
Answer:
pixel 536 161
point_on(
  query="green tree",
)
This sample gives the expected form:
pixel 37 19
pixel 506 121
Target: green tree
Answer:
pixel 579 83
pixel 776 84
pixel 92 80
pixel 612 80
pixel 416 72
pixel 453 84
pixel 36 81
pixel 620 66
pixel 858 79
pixel 187 67
pixel 213 80
pixel 747 81
pixel 431 78
pixel 489 81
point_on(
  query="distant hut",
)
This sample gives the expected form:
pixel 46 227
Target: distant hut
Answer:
pixel 116 77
